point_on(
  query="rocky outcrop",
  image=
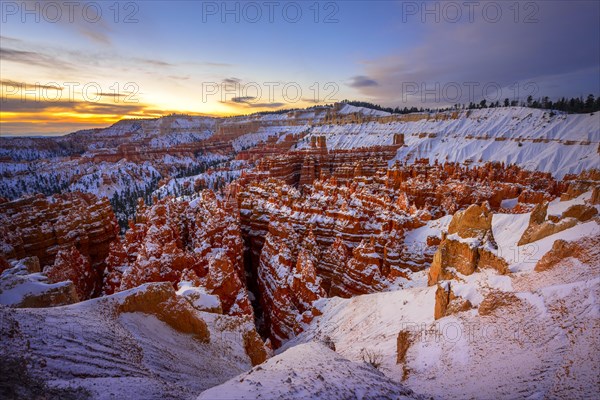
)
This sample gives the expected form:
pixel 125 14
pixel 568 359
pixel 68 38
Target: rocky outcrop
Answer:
pixel 304 166
pixel 579 184
pixel 255 347
pixel 358 220
pixel 160 256
pixel 595 199
pixel 362 273
pixel 43 226
pixel 160 300
pixel 403 342
pixel 71 265
pixel 333 262
pixel 586 250
pixel 340 217
pixel 467 246
pixel 474 222
pixel 561 249
pixel 581 212
pixel 222 280
pixel 452 254
pixel 540 227
pixel 446 188
pixel 405 197
pixel 22 285
pixel 447 303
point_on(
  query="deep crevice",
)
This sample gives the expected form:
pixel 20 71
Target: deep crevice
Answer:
pixel 251 272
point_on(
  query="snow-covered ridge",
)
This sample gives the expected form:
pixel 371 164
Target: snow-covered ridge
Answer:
pixel 536 139
pixel 349 109
pixel 310 371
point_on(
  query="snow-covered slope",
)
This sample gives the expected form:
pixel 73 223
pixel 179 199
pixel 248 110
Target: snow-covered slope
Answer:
pixel 348 109
pixel 88 348
pixel 532 138
pixel 310 371
pixel 264 133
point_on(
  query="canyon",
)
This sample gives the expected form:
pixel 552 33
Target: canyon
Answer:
pixel 272 234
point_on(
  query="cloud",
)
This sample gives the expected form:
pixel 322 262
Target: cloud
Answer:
pixel 10 39
pixel 215 64
pixel 114 95
pixel 48 126
pixel 94 35
pixel 243 99
pixel 231 81
pixel 267 105
pixel 27 106
pixel 156 63
pixel 24 85
pixel 31 57
pixel 557 56
pixel 361 81
pixel 246 102
pixel 90 23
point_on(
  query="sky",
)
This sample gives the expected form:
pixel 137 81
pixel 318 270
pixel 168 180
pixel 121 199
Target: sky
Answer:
pixel 70 65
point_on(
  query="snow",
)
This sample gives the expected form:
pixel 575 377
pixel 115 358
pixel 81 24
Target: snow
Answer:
pixel 349 109
pixel 132 355
pixel 200 299
pixel 175 186
pixel 370 321
pixel 507 230
pixel 525 257
pixel 309 371
pixel 264 133
pixel 432 228
pixel 16 285
pixel 557 207
pixel 528 137
pixel 509 204
pixel 468 292
pixel 543 346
